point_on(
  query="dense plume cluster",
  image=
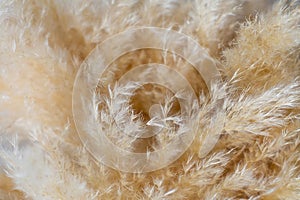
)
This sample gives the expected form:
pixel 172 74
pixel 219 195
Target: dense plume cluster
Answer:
pixel 256 45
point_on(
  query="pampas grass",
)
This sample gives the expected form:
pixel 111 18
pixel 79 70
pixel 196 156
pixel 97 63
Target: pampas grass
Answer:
pixel 253 113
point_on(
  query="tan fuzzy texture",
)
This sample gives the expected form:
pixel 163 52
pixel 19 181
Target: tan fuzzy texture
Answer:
pixel 256 45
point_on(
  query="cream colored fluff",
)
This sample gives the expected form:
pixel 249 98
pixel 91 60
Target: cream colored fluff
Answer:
pixel 256 44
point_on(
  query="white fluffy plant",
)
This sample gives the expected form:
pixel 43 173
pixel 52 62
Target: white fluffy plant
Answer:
pixel 35 171
pixel 256 44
